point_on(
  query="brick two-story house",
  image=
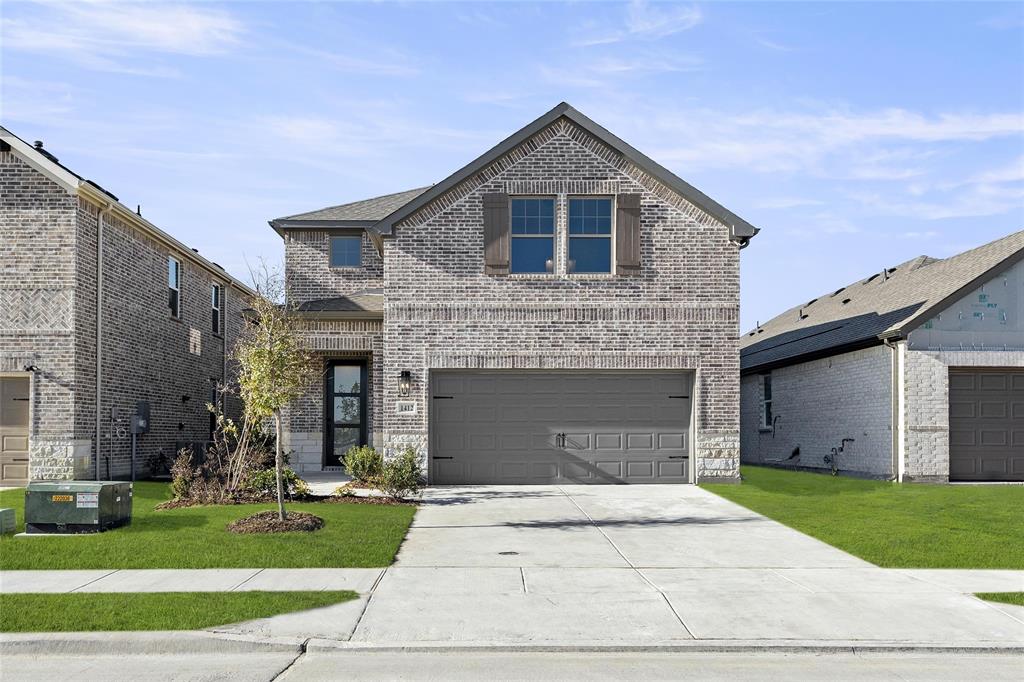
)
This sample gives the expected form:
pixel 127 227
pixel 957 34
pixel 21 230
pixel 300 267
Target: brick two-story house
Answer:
pixel 561 309
pixel 100 310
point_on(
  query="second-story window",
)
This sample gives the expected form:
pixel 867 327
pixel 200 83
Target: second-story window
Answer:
pixel 590 235
pixel 216 293
pixel 533 236
pixel 346 252
pixel 174 286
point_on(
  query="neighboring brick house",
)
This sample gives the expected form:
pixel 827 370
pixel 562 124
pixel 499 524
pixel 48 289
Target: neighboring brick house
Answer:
pixel 914 374
pixel 562 309
pixel 158 344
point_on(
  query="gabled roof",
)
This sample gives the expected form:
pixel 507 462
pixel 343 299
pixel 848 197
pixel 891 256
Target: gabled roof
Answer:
pixel 885 305
pixel 739 228
pixel 380 214
pixel 363 213
pixel 73 183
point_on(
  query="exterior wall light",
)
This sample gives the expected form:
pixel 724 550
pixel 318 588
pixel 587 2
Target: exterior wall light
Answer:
pixel 404 383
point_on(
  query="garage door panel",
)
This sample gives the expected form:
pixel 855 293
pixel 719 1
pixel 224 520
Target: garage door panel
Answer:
pixel 608 441
pixel 985 420
pixel 671 441
pixel 619 427
pixel 961 410
pixel 992 382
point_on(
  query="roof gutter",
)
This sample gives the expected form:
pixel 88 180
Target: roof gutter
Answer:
pixel 96 195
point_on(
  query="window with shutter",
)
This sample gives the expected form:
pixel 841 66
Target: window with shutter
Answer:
pixel 627 234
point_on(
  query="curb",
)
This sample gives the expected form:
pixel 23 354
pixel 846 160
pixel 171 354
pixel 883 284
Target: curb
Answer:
pixel 694 646
pixel 178 642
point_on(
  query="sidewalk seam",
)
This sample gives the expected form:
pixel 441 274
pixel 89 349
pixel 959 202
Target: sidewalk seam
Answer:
pixel 247 580
pixel 105 575
pixel 629 563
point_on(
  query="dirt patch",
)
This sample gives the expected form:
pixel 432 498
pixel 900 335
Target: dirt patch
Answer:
pixel 268 522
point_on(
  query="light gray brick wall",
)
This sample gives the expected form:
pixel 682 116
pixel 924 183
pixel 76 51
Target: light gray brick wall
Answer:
pixel 48 318
pixel 441 310
pixel 926 398
pixel 818 403
pixel 310 276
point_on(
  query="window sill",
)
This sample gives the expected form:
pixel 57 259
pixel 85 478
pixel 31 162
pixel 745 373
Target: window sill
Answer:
pixel 345 267
pixel 531 275
pixel 176 319
pixel 764 429
pixel 592 275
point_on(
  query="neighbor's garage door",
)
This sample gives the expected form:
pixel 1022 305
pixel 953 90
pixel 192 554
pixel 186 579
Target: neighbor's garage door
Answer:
pixel 560 427
pixel 986 425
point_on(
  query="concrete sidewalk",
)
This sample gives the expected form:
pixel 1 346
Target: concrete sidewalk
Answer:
pixel 615 566
pixel 191 580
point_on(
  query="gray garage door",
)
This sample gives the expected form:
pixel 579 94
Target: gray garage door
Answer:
pixel 560 427
pixel 986 425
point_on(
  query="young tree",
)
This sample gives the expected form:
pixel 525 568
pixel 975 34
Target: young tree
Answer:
pixel 274 367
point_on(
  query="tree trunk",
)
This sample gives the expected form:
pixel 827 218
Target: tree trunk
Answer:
pixel 279 467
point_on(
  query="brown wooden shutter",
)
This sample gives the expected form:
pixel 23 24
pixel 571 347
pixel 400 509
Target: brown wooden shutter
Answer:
pixel 496 229
pixel 627 234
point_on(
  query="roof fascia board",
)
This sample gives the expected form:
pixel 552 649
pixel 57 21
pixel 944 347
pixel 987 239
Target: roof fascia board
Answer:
pixel 922 316
pixel 385 226
pixel 280 225
pixel 814 355
pixel 739 229
pixel 96 195
pixel 66 179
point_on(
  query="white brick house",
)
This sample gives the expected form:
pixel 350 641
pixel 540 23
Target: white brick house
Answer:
pixel 913 374
pixel 99 310
pixel 562 309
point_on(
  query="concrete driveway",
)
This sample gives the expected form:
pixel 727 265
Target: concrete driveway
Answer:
pixel 636 565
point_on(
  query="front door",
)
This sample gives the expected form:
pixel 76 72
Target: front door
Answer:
pixel 345 416
pixel 14 402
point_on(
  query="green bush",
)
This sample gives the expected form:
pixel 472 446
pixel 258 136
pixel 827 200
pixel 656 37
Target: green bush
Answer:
pixel 364 464
pixel 182 476
pixel 401 475
pixel 265 482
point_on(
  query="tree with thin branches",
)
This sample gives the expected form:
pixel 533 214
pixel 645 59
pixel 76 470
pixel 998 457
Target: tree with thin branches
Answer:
pixel 274 366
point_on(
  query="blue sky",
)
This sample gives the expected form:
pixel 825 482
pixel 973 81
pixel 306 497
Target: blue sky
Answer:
pixel 856 136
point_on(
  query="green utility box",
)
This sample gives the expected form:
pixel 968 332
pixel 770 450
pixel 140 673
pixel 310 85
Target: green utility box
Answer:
pixel 77 506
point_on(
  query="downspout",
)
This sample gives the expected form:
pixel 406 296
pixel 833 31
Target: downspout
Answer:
pixel 99 334
pixel 896 401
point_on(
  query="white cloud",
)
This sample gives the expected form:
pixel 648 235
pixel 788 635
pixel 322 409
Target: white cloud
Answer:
pixel 659 20
pixel 974 201
pixel 788 202
pixel 1012 172
pixel 105 35
pixel 644 21
pixel 383 62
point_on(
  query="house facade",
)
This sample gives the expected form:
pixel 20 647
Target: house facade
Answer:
pixel 562 309
pixel 915 373
pixel 100 311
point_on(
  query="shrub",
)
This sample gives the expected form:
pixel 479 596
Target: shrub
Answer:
pixel 264 482
pixel 182 475
pixel 364 464
pixel 401 475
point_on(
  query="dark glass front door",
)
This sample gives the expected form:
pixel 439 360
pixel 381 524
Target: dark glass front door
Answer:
pixel 345 416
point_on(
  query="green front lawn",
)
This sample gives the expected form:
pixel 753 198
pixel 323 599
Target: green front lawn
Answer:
pixel 354 535
pixel 84 612
pixel 889 524
pixel 1015 598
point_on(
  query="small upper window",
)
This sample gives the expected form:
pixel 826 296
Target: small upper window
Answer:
pixel 766 401
pixel 174 286
pixel 533 235
pixel 590 235
pixel 346 252
pixel 216 294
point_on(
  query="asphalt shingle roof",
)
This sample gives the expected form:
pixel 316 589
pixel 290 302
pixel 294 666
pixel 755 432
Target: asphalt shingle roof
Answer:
pixel 374 209
pixel 365 301
pixel 872 308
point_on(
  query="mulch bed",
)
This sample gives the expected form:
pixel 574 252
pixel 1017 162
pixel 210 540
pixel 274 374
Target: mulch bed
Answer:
pixel 268 522
pixel 323 499
pixel 361 499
